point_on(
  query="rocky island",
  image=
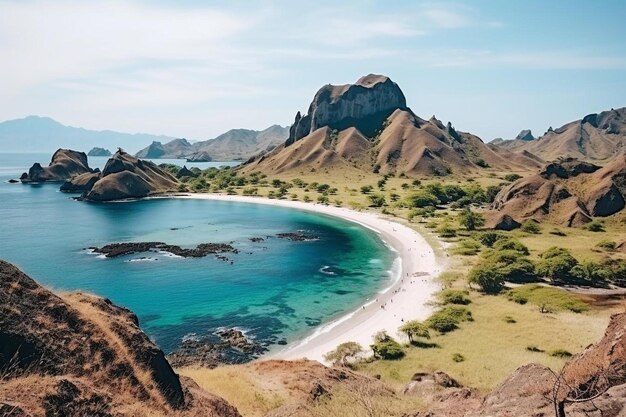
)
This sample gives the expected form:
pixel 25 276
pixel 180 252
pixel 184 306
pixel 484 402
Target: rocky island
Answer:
pixel 99 152
pixel 65 164
pixel 114 250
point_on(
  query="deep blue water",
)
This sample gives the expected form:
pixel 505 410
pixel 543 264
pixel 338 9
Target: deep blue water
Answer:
pixel 275 289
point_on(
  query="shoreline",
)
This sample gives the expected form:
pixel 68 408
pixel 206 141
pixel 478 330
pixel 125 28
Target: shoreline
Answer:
pixel 405 298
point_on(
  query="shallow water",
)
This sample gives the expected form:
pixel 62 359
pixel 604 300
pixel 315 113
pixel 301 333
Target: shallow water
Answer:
pixel 275 289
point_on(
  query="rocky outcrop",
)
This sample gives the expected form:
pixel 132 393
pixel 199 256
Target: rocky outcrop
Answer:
pixel 525 134
pixel 83 355
pixel 114 250
pixel 64 165
pixel 99 152
pixel 199 157
pixel 567 192
pixel 81 183
pixel 184 172
pixel 364 105
pixel 153 151
pixel 125 176
pixel 176 148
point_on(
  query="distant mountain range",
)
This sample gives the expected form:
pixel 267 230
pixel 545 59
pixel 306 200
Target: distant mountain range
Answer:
pixel 236 144
pixel 596 137
pixel 43 134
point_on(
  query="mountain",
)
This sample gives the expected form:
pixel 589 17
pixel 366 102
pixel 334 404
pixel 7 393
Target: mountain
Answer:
pixel 367 126
pixel 568 192
pixel 596 138
pixel 80 355
pixel 236 144
pixel 43 134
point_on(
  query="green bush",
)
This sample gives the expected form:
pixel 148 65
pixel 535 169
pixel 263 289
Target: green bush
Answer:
pixel 556 264
pixel 387 348
pixel 421 199
pixel 457 357
pixel 471 220
pixel 366 189
pixel 607 245
pixel 446 231
pixel 452 296
pixel 490 238
pixel 531 226
pixel 466 247
pixel 487 277
pixel 547 298
pixel 512 177
pixel 595 226
pixel 512 245
pixel 448 318
pixel 376 200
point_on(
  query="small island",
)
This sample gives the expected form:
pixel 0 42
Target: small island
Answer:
pixel 99 152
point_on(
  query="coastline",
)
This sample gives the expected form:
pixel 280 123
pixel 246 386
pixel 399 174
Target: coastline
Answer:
pixel 406 298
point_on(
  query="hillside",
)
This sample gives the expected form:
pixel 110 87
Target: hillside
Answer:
pixel 595 137
pixel 236 144
pixel 80 355
pixel 366 126
pixel 43 134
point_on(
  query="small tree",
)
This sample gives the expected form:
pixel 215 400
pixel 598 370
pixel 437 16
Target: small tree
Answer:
pixel 376 200
pixel 413 329
pixel 487 277
pixel 344 353
pixel 471 220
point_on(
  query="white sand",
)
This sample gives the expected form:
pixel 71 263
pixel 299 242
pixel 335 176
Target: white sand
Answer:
pixel 405 298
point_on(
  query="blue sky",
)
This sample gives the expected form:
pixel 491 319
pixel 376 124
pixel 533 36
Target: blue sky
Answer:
pixel 197 68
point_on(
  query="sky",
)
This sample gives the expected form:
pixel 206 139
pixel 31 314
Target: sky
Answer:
pixel 195 69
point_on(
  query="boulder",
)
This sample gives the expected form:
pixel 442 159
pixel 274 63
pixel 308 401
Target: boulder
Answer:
pixel 65 164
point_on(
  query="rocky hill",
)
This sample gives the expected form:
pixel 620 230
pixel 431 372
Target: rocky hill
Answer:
pixel 80 355
pixel 65 164
pixel 367 126
pixel 123 177
pixel 236 144
pixel 595 137
pixel 568 192
pixel 99 152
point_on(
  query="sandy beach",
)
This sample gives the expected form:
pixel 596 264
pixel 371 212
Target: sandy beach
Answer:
pixel 405 298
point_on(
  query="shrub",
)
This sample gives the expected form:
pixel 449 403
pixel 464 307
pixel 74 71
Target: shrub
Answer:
pixel 467 247
pixel 446 231
pixel 481 163
pixel 457 357
pixel 557 232
pixel 547 298
pixel 556 264
pixel 491 192
pixel 595 226
pixel 560 353
pixel 531 226
pixel 376 200
pixel 344 353
pixel 413 329
pixel 533 348
pixel 387 348
pixel 509 320
pixel 471 220
pixel 448 318
pixel 511 245
pixel 452 296
pixel 490 238
pixel 366 189
pixel 422 199
pixel 487 277
pixel 512 177
pixel 608 245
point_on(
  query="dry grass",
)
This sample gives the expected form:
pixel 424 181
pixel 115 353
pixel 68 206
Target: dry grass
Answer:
pixel 239 387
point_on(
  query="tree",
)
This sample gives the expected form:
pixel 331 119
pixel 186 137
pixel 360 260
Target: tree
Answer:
pixel 366 189
pixel 471 220
pixel 413 329
pixel 344 353
pixel 556 264
pixel 487 276
pixel 376 200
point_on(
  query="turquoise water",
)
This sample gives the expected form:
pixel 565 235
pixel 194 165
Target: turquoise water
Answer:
pixel 276 289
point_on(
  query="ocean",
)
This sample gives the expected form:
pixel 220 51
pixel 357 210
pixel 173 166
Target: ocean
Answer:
pixel 276 290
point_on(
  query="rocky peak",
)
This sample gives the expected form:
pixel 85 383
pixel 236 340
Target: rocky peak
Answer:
pixel 364 105
pixel 525 134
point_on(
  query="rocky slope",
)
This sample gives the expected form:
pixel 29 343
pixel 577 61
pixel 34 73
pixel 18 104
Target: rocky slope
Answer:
pixel 64 165
pixel 595 137
pixel 123 177
pixel 366 126
pixel 236 144
pixel 568 192
pixel 80 355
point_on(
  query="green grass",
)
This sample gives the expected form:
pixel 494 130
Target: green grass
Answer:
pixel 552 299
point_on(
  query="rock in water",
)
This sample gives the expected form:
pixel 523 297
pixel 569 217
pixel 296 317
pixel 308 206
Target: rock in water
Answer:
pixel 364 105
pixel 83 353
pixel 99 152
pixel 125 176
pixel 64 165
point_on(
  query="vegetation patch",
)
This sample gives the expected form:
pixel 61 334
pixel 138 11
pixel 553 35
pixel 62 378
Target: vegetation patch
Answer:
pixel 548 299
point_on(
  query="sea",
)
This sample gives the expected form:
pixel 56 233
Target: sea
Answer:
pixel 277 291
